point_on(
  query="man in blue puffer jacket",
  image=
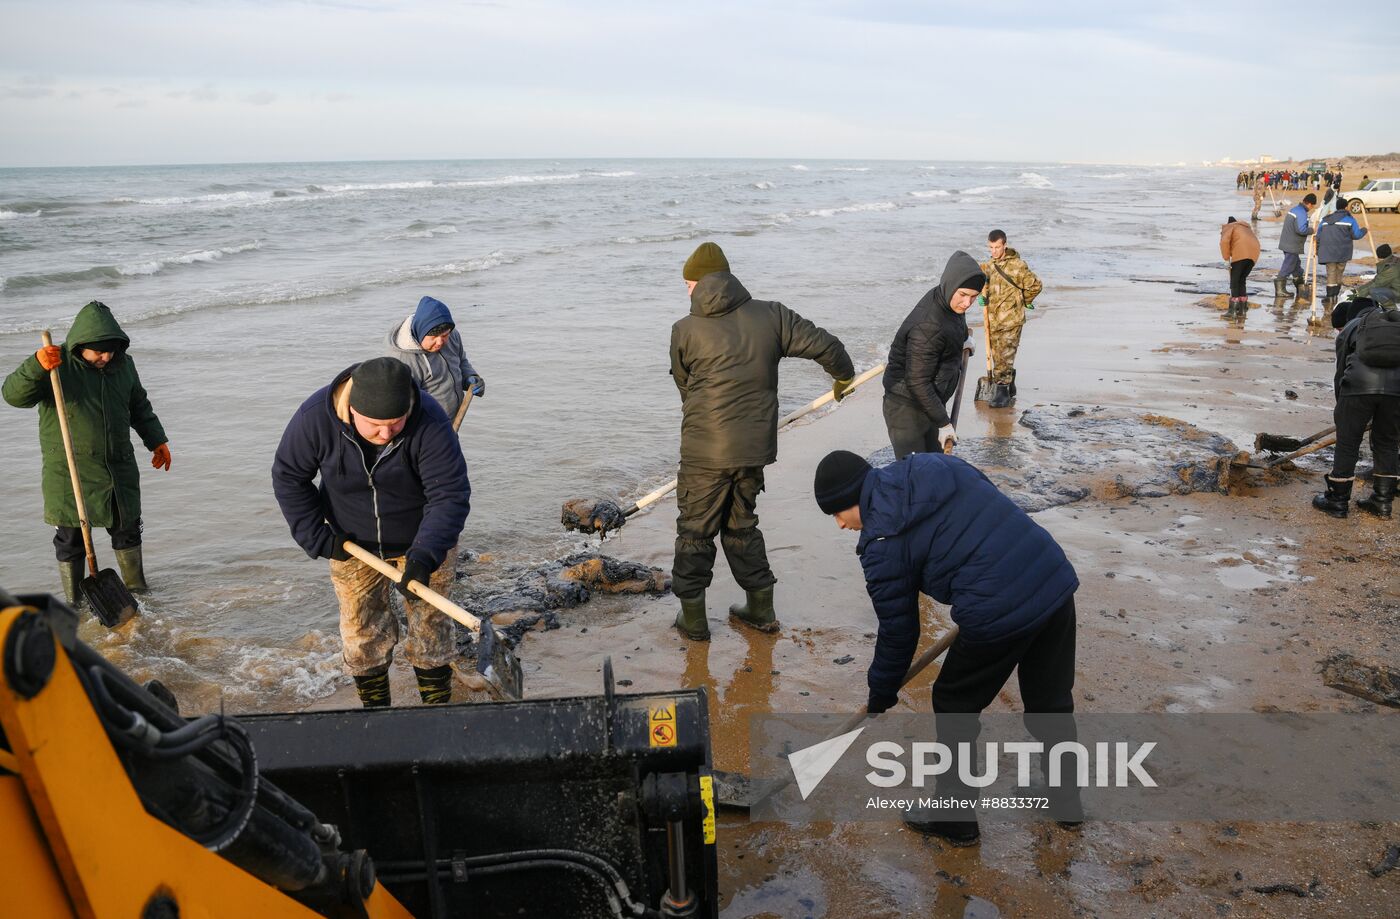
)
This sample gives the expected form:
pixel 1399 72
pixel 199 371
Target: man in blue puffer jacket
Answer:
pixel 933 524
pixel 393 481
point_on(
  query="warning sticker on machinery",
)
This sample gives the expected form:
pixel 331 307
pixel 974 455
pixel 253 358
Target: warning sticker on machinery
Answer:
pixel 661 724
pixel 707 795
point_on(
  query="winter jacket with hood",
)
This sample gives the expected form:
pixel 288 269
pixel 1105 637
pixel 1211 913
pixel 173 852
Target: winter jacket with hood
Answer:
pixel 1387 278
pixel 934 524
pixel 1354 377
pixel 926 354
pixel 1238 242
pixel 724 360
pixel 412 499
pixel 442 373
pixel 1296 230
pixel 1335 235
pixel 104 407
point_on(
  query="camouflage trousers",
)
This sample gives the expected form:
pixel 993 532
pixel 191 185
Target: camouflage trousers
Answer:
pixel 369 626
pixel 1005 341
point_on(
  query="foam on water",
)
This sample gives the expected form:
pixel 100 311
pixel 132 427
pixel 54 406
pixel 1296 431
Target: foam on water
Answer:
pixel 6 214
pixel 935 193
pixel 852 209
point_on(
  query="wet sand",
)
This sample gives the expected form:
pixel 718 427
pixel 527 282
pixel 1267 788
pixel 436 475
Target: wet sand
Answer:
pixel 1205 601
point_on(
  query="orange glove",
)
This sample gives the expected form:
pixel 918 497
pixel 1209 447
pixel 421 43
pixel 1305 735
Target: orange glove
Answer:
pixel 49 357
pixel 160 457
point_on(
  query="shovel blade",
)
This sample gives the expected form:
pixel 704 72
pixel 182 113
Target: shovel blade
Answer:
pixel 1277 443
pixel 497 665
pixel 737 791
pixel 111 601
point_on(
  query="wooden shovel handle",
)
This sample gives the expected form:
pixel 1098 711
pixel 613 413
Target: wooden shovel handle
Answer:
pixel 420 590
pixel 823 399
pixel 920 664
pixel 62 411
pixel 462 409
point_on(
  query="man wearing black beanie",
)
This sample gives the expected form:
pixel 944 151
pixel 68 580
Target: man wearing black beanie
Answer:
pixel 933 524
pixel 394 482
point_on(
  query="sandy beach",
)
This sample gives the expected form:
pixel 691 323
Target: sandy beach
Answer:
pixel 1215 601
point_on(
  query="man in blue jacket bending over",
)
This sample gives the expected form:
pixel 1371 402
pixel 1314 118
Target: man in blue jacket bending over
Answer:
pixel 931 523
pixel 394 482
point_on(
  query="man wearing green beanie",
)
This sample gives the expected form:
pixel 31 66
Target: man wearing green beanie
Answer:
pixel 724 360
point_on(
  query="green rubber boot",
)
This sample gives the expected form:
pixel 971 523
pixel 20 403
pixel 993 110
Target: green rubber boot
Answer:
pixel 133 572
pixel 691 619
pixel 70 575
pixel 758 612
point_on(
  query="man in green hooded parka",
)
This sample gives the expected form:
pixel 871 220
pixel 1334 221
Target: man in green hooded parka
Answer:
pixel 105 401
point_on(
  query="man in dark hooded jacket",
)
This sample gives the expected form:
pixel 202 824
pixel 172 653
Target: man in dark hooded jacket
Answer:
pixel 105 402
pixel 724 360
pixel 933 524
pixel 394 482
pixel 925 360
pixel 1368 393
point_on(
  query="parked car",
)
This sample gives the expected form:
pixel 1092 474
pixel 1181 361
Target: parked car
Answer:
pixel 1377 194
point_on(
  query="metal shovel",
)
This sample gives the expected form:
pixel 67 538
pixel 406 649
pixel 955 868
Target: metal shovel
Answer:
pixel 111 601
pixel 495 662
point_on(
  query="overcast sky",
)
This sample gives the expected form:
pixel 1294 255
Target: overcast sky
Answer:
pixel 187 81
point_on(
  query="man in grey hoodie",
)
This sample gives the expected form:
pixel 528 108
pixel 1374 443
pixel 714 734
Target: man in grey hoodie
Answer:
pixel 429 343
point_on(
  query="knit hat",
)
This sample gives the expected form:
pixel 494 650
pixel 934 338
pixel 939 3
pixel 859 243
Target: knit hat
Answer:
pixel 1384 250
pixel 840 477
pixel 706 259
pixel 381 389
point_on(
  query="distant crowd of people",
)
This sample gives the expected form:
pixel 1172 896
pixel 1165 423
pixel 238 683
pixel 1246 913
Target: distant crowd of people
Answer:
pixel 1291 179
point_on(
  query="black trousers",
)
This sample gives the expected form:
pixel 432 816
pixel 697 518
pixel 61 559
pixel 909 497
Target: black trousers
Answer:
pixel 910 428
pixel 1239 272
pixel 1352 414
pixel 718 503
pixel 68 541
pixel 972 675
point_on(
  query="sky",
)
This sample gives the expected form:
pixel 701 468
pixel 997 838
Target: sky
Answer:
pixel 220 81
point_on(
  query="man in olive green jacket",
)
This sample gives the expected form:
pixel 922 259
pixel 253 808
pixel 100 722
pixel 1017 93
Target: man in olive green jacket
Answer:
pixel 724 359
pixel 105 402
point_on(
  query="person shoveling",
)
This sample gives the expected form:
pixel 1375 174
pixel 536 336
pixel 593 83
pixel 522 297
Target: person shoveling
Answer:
pixel 393 480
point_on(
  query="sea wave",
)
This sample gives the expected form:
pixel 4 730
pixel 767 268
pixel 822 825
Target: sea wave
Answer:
pixel 850 168
pixel 660 237
pixel 1036 180
pixel 115 273
pixel 7 214
pixel 929 168
pixel 420 230
pixel 935 193
pixel 761 186
pixel 1107 175
pixel 218 198
pixel 799 167
pixel 852 209
pixel 615 175
pixel 983 189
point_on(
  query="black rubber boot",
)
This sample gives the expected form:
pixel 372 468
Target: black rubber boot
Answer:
pixel 373 690
pixel 70 575
pixel 1382 496
pixel 1301 287
pixel 1012 383
pixel 435 684
pixel 133 571
pixel 931 822
pixel 1337 500
pixel 691 619
pixel 1281 287
pixel 758 612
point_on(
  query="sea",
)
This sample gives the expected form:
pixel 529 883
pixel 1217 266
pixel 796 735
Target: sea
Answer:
pixel 244 288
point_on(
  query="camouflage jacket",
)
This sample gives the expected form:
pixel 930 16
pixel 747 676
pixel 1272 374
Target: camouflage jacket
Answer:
pixel 1006 300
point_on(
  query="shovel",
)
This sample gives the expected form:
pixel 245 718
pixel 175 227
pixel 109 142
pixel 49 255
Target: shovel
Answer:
pixel 1282 443
pixel 996 395
pixel 111 601
pixel 462 410
pixel 738 791
pixel 600 515
pixel 1315 446
pixel 496 664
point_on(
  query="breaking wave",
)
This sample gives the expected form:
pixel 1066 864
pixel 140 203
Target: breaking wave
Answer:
pixel 117 272
pixel 6 214
pixel 799 167
pixel 936 193
pixel 852 209
pixel 761 186
pixel 983 189
pixel 420 230
pixel 1036 180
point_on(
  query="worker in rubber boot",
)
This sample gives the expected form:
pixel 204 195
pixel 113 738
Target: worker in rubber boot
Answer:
pixel 925 360
pixel 1010 290
pixel 1292 241
pixel 106 402
pixel 430 344
pixel 724 360
pixel 1367 383
pixel 393 481
pixel 1240 249
pixel 1259 190
pixel 933 524
pixel 1384 288
pixel 1336 235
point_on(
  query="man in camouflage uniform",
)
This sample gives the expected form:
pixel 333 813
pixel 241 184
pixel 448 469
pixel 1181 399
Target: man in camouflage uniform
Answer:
pixel 1011 290
pixel 1259 189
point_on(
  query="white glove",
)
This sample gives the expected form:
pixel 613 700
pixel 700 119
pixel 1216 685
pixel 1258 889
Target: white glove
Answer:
pixel 969 346
pixel 947 436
